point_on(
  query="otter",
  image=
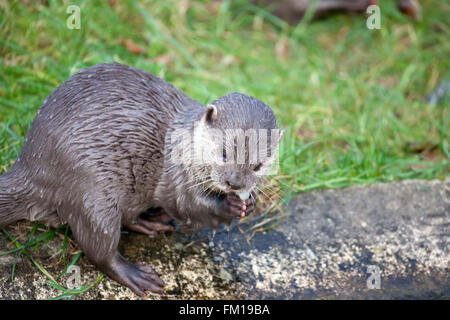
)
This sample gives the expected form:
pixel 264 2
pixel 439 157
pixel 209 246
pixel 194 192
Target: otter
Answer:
pixel 99 153
pixel 292 11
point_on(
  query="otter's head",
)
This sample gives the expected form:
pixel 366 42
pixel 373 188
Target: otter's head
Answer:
pixel 237 140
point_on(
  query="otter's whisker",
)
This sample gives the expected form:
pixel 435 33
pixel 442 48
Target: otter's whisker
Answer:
pixel 200 183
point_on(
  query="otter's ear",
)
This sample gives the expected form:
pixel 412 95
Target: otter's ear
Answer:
pixel 211 113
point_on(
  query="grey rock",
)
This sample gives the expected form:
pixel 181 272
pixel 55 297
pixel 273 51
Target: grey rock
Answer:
pixel 330 240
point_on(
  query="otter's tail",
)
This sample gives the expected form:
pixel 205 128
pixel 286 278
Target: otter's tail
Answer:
pixel 13 192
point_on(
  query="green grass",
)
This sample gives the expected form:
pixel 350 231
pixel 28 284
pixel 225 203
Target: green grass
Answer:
pixel 352 100
pixel 35 242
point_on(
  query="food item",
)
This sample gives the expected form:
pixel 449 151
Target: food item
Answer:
pixel 244 195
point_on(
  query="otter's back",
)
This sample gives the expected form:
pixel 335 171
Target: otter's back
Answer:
pixel 107 122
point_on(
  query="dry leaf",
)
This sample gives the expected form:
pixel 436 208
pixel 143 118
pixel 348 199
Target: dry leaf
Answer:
pixel 183 8
pixel 229 60
pixel 164 58
pixel 302 133
pixel 411 8
pixel 44 43
pixel 133 47
pixel 427 149
pixel 112 3
pixel 282 48
pixel 213 7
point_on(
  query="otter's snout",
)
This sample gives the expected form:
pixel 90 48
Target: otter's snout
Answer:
pixel 235 186
pixel 237 179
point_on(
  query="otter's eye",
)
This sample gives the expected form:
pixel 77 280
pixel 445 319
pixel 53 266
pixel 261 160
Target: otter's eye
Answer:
pixel 257 167
pixel 224 156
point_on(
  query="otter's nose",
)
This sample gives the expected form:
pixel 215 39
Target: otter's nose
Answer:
pixel 234 186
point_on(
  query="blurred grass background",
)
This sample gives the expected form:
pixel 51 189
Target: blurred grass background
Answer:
pixel 352 100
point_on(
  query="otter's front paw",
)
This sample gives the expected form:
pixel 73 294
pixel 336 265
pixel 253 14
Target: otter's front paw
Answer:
pixel 240 208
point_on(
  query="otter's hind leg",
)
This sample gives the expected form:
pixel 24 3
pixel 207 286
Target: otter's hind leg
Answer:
pixel 97 232
pixel 152 222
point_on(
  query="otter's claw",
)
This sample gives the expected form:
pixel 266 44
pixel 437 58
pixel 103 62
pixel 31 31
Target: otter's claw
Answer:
pixel 138 277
